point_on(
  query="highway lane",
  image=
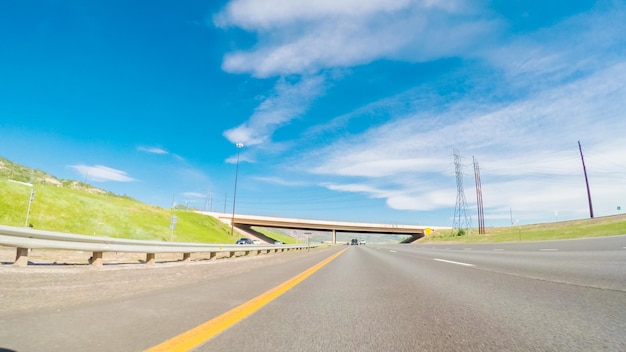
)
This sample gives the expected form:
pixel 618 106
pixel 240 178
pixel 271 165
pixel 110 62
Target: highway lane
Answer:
pixel 134 322
pixel 370 298
pixel 400 298
pixel 598 262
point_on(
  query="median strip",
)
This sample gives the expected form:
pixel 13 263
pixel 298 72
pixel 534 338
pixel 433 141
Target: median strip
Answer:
pixel 453 262
pixel 198 335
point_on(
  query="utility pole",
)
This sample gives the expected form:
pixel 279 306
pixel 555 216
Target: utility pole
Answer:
pixel 232 219
pixel 208 201
pixel 582 158
pixel 479 198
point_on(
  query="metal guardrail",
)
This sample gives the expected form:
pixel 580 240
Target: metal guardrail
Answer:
pixel 25 238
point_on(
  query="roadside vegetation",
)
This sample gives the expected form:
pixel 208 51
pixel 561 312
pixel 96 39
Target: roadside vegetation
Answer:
pixel 76 207
pixel 276 236
pixel 596 227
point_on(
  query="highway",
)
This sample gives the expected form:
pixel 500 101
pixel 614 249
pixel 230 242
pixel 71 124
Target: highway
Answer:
pixel 548 296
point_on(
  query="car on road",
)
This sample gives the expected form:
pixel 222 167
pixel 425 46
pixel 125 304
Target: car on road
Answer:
pixel 362 242
pixel 354 242
pixel 245 240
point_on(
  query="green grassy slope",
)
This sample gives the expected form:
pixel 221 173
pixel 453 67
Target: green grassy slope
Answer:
pixel 596 227
pixel 286 239
pixel 74 207
pixel 76 211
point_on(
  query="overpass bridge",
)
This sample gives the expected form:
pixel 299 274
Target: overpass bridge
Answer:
pixel 246 221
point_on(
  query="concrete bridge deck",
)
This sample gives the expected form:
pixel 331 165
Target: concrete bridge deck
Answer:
pixel 416 231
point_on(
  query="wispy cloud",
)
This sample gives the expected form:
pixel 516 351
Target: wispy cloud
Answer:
pixel 100 173
pixel 194 195
pixel 299 37
pixel 288 101
pixel 282 182
pixel 152 150
pixel 159 151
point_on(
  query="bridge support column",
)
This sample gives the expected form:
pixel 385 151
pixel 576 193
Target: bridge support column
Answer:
pixel 334 236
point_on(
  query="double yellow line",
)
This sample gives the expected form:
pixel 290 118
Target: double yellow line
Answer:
pixel 205 331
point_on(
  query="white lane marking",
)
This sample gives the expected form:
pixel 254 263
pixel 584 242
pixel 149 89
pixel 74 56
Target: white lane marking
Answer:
pixel 453 262
pixel 467 249
pixel 498 249
pixel 392 251
pixel 548 249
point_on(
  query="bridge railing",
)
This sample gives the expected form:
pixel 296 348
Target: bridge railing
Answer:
pixel 24 239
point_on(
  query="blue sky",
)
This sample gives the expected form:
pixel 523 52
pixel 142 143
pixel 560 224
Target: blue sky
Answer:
pixel 349 110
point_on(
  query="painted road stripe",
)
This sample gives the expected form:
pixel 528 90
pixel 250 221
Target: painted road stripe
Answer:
pixel 392 251
pixel 201 333
pixel 498 249
pixel 452 262
pixel 548 249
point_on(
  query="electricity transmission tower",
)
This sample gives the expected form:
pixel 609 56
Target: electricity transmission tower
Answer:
pixel 479 198
pixel 461 219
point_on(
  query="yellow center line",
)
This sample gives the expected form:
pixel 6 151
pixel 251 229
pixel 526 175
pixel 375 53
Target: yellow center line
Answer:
pixel 205 331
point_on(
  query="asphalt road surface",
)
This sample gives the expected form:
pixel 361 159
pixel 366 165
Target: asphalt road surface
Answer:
pixel 548 296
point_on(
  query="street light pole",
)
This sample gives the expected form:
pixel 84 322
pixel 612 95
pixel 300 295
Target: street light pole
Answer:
pixel 30 201
pixel 232 219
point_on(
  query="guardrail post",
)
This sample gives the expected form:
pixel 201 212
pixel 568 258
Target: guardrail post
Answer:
pixel 231 254
pixel 186 257
pixel 259 252
pixel 96 259
pixel 21 257
pixel 150 258
pixel 212 255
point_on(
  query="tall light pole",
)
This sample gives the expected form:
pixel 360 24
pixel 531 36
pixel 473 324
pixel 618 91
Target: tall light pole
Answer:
pixel 232 219
pixel 30 201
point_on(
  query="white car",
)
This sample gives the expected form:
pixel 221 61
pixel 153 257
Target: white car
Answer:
pixel 256 242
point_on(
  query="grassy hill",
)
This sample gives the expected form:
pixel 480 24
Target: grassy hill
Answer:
pixel 76 207
pixel 596 227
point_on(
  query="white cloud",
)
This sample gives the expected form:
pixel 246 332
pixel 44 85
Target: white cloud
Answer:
pixel 152 150
pixel 194 195
pixel 289 101
pixel 282 182
pixel 297 37
pixel 100 173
